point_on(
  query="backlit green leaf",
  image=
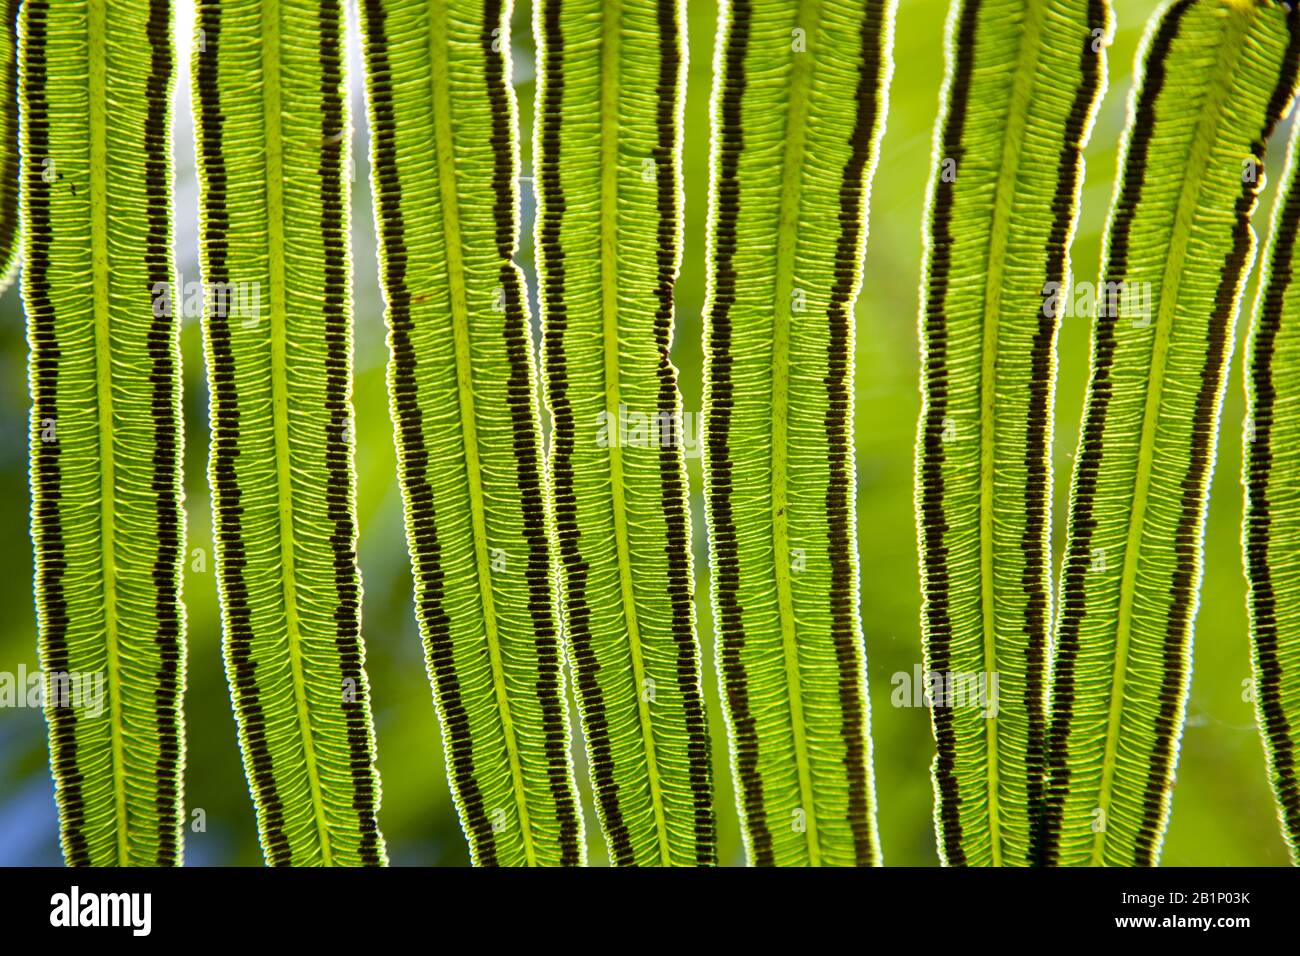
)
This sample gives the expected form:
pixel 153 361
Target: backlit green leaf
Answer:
pixel 609 194
pixel 1023 79
pixel 107 523
pixel 463 390
pixel 798 108
pixel 273 141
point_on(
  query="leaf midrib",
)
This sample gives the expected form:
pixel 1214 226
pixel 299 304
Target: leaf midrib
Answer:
pixel 1238 27
pixel 610 88
pixel 440 87
pixel 272 118
pixel 999 235
pixel 97 34
pixel 808 17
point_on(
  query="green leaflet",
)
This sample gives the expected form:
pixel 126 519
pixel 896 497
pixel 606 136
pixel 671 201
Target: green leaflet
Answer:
pixel 107 523
pixel 1003 200
pixel 462 384
pixel 272 141
pixel 10 225
pixel 1271 527
pixel 609 192
pixel 799 97
pixel 1217 76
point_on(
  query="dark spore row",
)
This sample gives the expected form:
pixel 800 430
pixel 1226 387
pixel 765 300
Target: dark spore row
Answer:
pixel 519 397
pixel 934 523
pixel 47 524
pixel 12 162
pixel 681 589
pixel 338 370
pixel 550 249
pixel 163 378
pixel 839 435
pixel 1278 730
pixel 1187 538
pixel 726 553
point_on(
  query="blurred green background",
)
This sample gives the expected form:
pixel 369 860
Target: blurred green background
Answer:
pixel 1222 812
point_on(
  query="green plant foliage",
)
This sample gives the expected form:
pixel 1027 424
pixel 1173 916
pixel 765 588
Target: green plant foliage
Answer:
pixel 273 137
pixel 1271 527
pixel 799 100
pixel 10 226
pixel 609 192
pixel 1023 80
pixel 1217 76
pixel 463 392
pixel 95 86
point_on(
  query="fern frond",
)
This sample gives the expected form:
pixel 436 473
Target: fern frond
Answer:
pixel 10 166
pixel 799 97
pixel 107 523
pixel 1003 200
pixel 463 394
pixel 273 137
pixel 1217 76
pixel 609 86
pixel 1271 524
